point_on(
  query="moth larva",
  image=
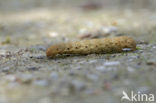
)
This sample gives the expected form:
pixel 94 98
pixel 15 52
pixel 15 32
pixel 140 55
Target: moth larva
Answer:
pixel 103 45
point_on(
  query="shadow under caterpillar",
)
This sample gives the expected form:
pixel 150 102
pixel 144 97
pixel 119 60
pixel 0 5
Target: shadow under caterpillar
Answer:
pixel 98 46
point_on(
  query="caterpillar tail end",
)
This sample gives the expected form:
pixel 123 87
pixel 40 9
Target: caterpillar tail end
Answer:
pixel 131 43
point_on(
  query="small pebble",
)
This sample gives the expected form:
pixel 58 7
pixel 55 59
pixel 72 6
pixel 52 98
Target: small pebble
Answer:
pixel 33 68
pixel 130 69
pixel 151 63
pixel 154 47
pixel 77 86
pixel 92 61
pixel 39 47
pixel 111 63
pixel 109 30
pixel 54 75
pixel 10 78
pixel 41 82
pixel 139 51
pixel 53 34
pixel 3 52
pixel 92 77
pixel 131 58
pixel 26 78
pixel 6 69
pixel 91 6
pixel 126 49
pixel 100 68
pixel 143 89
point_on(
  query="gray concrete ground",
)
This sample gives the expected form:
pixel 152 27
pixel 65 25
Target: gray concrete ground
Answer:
pixel 28 76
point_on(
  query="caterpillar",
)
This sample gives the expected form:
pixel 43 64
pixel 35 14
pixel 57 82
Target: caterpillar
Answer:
pixel 97 46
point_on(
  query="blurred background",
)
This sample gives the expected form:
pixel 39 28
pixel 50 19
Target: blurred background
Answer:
pixel 34 21
pixel 106 4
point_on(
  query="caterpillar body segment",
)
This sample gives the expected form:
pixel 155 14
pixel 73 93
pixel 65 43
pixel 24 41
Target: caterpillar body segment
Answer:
pixel 103 45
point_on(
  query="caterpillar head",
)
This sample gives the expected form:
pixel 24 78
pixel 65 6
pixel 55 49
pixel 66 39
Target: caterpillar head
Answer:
pixel 54 50
pixel 51 52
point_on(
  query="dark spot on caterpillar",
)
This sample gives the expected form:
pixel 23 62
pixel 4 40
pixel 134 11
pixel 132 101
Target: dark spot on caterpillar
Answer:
pixel 76 47
pixel 96 46
pixel 106 45
pixel 68 48
pixel 128 42
pixel 86 46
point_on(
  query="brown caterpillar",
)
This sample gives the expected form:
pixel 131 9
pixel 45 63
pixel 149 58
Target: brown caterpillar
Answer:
pixel 103 45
